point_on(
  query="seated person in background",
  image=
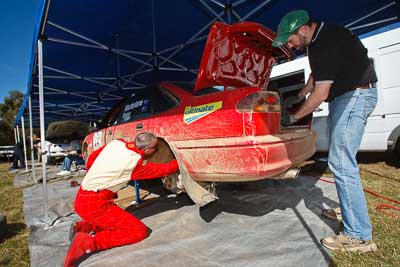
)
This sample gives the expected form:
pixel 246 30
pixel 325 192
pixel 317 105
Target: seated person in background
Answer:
pixel 18 156
pixel 36 144
pixel 73 154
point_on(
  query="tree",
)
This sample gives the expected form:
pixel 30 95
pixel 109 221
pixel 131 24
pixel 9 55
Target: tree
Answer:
pixel 6 134
pixel 8 111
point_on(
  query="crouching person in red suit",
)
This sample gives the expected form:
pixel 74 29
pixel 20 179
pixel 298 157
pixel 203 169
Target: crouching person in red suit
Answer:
pixel 110 168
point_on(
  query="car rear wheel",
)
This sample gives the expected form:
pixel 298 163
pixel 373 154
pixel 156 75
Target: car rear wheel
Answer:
pixel 201 193
pixel 164 154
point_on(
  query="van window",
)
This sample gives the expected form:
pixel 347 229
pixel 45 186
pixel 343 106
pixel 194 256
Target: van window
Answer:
pixel 289 82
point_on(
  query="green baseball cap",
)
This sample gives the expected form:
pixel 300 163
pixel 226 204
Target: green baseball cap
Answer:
pixel 289 24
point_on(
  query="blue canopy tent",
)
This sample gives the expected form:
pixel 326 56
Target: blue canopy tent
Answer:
pixel 93 53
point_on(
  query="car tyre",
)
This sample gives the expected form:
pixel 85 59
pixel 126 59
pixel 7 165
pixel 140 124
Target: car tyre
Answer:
pixel 3 226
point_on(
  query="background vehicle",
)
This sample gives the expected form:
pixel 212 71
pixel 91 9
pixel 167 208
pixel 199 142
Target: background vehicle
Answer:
pixel 57 150
pixel 226 127
pixel 383 127
pixel 59 135
pixel 6 152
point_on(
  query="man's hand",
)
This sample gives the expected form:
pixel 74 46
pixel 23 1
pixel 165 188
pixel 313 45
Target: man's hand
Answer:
pixel 288 119
pixel 291 101
pixel 72 153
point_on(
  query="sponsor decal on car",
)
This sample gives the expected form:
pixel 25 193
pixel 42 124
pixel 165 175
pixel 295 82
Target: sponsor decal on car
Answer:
pixel 192 114
pixel 97 140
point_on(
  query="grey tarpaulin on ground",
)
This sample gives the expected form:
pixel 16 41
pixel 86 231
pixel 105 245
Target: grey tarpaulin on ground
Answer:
pixel 263 223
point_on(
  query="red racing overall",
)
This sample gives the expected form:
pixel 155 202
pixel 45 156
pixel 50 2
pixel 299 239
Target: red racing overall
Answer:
pixel 108 168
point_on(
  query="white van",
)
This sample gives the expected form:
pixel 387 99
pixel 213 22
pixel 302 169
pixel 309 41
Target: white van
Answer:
pixel 383 127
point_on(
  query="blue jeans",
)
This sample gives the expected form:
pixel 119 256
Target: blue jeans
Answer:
pixel 348 115
pixel 66 166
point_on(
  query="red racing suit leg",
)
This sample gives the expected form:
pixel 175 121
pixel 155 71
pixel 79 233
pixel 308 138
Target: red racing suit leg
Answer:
pixel 113 225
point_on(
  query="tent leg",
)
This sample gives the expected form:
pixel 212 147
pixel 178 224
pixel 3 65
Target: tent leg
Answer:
pixel 18 139
pixel 229 12
pixel 15 135
pixel 42 136
pixel 137 189
pixel 32 148
pixel 24 141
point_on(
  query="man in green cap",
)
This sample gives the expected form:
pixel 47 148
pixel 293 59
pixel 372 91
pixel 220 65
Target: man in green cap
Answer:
pixel 342 75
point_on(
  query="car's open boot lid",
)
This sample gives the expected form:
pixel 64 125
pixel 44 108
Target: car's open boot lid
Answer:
pixel 238 55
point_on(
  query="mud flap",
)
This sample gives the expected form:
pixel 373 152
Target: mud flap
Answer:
pixel 196 192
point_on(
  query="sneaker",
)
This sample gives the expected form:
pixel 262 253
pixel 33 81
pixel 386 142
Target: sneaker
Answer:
pixel 334 214
pixel 62 173
pixel 12 170
pixel 82 245
pixel 345 243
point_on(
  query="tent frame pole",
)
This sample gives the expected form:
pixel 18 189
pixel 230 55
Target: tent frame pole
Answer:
pixel 18 139
pixel 370 14
pixel 239 2
pixel 15 135
pixel 255 10
pixel 229 11
pixel 181 46
pixel 32 147
pixel 154 34
pixel 24 142
pixel 212 11
pixel 373 23
pixel 42 134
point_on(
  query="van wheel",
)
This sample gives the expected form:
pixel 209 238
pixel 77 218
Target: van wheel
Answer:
pixel 396 150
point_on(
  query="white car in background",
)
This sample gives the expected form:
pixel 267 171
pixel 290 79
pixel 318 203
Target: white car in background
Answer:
pixel 6 152
pixel 55 151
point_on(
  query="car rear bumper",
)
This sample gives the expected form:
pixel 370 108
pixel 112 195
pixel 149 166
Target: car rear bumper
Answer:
pixel 245 158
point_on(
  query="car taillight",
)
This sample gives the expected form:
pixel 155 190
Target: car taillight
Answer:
pixel 260 102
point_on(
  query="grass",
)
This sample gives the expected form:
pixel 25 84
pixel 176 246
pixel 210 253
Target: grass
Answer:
pixel 14 246
pixel 380 173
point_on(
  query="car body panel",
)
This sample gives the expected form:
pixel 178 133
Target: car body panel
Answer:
pixel 224 145
pixel 213 138
pixel 206 127
pixel 245 158
pixel 238 55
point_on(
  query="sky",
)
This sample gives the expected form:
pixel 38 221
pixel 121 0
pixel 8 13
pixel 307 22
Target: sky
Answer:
pixel 17 23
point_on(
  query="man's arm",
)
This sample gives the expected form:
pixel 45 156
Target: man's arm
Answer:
pixel 317 96
pixel 92 157
pixel 147 170
pixel 72 153
pixel 308 87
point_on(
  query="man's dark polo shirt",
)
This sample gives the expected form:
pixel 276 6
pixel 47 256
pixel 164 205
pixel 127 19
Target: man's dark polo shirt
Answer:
pixel 337 56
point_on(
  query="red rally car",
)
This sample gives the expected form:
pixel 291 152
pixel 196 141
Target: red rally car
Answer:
pixel 226 126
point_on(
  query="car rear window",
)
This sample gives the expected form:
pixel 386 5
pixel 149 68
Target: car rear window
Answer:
pixel 189 87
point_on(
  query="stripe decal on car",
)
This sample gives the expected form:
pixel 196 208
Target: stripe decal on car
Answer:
pixel 193 114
